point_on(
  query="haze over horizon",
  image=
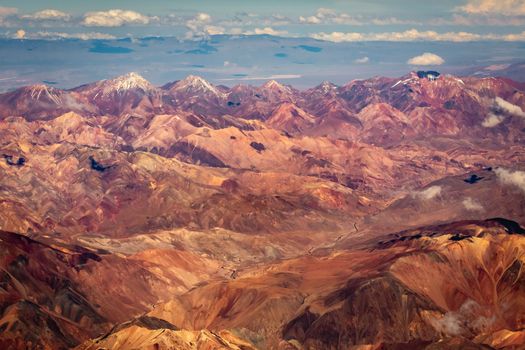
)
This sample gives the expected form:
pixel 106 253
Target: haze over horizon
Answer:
pixel 66 43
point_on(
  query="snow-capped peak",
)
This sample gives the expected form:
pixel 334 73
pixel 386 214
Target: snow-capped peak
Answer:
pixel 274 85
pixel 38 91
pixel 127 82
pixel 326 87
pixel 195 84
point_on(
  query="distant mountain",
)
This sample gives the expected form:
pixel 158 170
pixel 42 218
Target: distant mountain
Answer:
pixel 125 94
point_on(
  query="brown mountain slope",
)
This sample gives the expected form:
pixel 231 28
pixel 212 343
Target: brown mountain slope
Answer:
pixel 412 288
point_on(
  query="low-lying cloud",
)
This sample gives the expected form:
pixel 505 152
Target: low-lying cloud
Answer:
pixel 472 205
pixel 507 107
pixel 515 178
pixel 492 120
pixel 429 193
pixel 426 59
pixel 469 318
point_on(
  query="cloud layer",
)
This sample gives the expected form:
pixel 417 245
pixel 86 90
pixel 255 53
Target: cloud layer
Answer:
pixel 508 107
pixel 426 59
pixel 429 193
pixel 114 18
pixel 492 120
pixel 416 35
pixel 490 7
pixel 409 28
pixel 472 205
pixel 48 15
pixel 515 178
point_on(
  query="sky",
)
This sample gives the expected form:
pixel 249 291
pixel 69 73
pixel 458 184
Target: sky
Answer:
pixel 331 20
pixel 66 43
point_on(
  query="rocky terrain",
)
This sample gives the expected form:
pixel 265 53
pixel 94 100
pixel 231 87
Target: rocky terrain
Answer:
pixel 381 214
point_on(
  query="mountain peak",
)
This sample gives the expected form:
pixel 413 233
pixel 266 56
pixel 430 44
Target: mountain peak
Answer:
pixel 195 84
pixel 276 86
pixel 273 84
pixel 326 86
pixel 129 81
pixel 37 91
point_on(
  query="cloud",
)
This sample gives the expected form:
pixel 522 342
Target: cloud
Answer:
pixel 200 26
pixel 491 7
pixel 429 193
pixel 266 31
pixel 416 35
pixel 472 205
pixel 310 20
pixel 469 318
pixel 20 34
pixel 81 36
pixel 330 16
pixel 48 15
pixel 507 107
pixel 362 60
pixel 492 120
pixel 516 178
pixel 114 18
pixel 426 59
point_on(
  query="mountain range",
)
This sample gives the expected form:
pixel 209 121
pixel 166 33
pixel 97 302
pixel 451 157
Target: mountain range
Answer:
pixel 379 214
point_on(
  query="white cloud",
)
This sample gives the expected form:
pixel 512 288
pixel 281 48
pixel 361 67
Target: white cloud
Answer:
pixel 114 18
pixel 48 15
pixel 310 20
pixel 429 193
pixel 81 36
pixel 426 59
pixel 200 26
pixel 267 31
pixel 508 107
pixel 472 205
pixel 491 7
pixel 214 30
pixel 492 120
pixel 516 178
pixel 339 37
pixel 470 318
pixel 20 34
pixel 330 16
pixel 362 60
pixel 416 35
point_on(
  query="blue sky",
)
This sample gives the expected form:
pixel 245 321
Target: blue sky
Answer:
pixel 333 20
